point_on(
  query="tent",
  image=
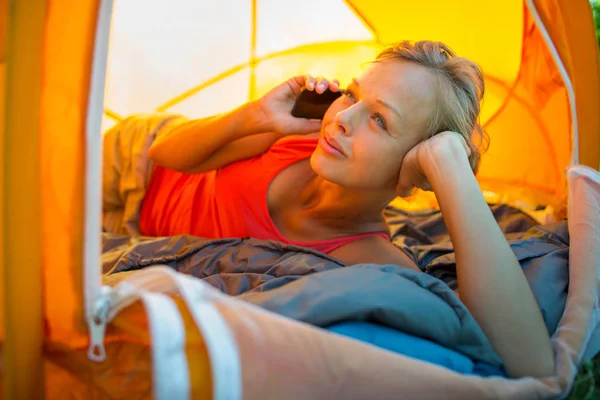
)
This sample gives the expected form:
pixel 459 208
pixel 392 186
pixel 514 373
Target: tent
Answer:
pixel 69 69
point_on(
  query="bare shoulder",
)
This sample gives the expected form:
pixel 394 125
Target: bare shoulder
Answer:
pixel 373 250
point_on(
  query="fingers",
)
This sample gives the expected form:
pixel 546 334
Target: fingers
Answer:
pixel 320 84
pixel 404 191
pixel 334 85
pixel 309 82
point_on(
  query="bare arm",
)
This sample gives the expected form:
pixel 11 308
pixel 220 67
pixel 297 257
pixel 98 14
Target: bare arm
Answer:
pixel 248 147
pixel 194 144
pixel 240 149
pixel 491 281
pixel 210 143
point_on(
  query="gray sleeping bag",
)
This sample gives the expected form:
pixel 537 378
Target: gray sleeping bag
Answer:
pixel 284 279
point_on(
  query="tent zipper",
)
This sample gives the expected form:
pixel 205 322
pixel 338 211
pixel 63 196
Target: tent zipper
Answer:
pixel 106 306
pixel 110 301
pixel 97 325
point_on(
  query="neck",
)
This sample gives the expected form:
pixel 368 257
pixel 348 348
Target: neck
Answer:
pixel 343 208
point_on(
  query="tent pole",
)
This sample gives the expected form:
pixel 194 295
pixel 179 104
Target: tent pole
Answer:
pixel 22 234
pixel 3 43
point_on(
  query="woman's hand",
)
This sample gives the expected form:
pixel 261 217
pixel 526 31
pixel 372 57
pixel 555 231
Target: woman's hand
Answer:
pixel 413 172
pixel 276 106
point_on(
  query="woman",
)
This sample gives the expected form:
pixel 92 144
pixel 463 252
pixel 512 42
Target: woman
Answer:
pixel 408 121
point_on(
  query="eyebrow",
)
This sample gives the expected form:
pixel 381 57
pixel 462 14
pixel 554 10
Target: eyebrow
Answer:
pixel 397 112
pixel 383 103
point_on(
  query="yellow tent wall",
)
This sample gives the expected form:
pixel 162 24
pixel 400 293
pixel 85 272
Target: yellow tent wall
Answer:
pixel 535 96
pixel 526 110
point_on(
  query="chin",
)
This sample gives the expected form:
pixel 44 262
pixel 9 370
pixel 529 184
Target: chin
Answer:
pixel 326 168
pixel 317 161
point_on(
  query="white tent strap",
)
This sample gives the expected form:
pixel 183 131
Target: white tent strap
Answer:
pixel 565 77
pixel 220 341
pixel 170 374
pixel 221 344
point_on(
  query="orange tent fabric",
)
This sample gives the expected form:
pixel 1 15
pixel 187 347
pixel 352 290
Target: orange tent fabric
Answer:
pixel 528 114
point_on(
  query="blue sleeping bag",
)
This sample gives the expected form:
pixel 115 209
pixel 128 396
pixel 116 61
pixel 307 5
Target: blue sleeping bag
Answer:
pixel 412 346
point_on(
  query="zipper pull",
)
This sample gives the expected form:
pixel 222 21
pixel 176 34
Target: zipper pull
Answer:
pixel 97 326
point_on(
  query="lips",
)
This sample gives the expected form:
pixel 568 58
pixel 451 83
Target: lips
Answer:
pixel 331 142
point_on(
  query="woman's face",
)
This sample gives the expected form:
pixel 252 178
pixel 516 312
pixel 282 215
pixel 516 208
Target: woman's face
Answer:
pixel 368 130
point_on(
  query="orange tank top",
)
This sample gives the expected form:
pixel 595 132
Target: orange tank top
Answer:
pixel 228 202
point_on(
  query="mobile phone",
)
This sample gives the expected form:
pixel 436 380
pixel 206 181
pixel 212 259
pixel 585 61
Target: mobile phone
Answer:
pixel 312 105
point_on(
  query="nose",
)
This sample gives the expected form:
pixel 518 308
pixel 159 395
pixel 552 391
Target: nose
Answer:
pixel 343 121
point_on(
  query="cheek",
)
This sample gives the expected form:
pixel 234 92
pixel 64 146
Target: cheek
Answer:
pixel 337 106
pixel 375 163
pixel 374 152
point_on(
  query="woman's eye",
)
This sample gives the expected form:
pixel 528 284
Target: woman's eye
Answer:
pixel 379 121
pixel 350 95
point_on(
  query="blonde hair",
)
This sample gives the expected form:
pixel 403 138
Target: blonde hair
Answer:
pixel 461 90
